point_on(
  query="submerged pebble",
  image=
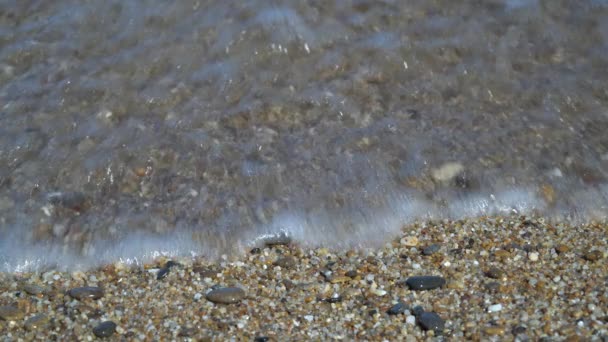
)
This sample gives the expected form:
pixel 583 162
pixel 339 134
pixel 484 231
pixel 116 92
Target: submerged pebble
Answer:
pixel 86 292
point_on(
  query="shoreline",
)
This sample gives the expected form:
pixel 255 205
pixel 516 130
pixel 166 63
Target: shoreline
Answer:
pixel 503 278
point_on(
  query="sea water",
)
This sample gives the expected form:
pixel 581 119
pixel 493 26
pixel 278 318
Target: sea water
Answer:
pixel 140 128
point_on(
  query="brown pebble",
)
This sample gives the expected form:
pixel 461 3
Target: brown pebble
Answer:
pixel 339 279
pixel 494 273
pixel 562 248
pixel 226 295
pixel 494 330
pixel 593 255
pixel 501 253
pixel 11 313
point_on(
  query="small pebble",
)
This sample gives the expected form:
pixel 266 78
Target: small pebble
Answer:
pixel 398 308
pixel 495 308
pixel 286 262
pixel 11 313
pixel 431 321
pixel 226 295
pixel 37 321
pixel 494 330
pixel 162 273
pixel 419 283
pixel 494 273
pixel 593 255
pixel 80 293
pixel 105 329
pixel 33 289
pixel 432 249
pixel 533 256
pixel 261 339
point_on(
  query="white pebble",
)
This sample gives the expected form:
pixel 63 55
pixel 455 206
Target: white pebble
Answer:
pixel 533 256
pixel 495 308
pixel 309 318
pixel 198 296
pixel 410 320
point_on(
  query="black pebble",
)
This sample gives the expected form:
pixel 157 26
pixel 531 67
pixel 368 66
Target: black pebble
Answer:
pixel 419 283
pixel 105 329
pixel 417 310
pixel 261 339
pixel 256 251
pixel 162 273
pixel 398 308
pixel 431 321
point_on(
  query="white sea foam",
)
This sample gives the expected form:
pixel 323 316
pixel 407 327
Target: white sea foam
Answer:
pixel 347 228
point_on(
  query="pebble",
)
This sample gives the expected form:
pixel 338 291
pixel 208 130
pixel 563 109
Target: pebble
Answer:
pixel 432 249
pixel 80 293
pixel 261 339
pixel 11 313
pixel 226 295
pixel 431 321
pixel 398 308
pixel 593 255
pixel 425 282
pixel 495 308
pixel 105 329
pixel 33 289
pixel 533 256
pixel 37 321
pixel 494 273
pixel 286 262
pixel 162 273
pixel 410 241
pixel 494 330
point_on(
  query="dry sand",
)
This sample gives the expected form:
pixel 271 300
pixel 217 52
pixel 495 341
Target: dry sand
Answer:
pixel 510 278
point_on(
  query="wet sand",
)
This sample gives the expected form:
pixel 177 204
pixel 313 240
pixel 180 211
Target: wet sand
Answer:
pixel 508 278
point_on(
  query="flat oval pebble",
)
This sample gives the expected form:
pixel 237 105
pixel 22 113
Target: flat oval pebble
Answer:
pixel 37 321
pixel 11 313
pixel 431 321
pixel 33 289
pixel 226 295
pixel 425 282
pixel 105 329
pixel 92 292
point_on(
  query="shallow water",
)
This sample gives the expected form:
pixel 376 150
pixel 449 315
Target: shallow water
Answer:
pixel 131 129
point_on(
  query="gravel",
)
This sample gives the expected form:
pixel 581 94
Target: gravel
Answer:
pixel 561 296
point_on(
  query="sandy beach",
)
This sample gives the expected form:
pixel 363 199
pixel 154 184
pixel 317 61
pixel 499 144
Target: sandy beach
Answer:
pixel 508 278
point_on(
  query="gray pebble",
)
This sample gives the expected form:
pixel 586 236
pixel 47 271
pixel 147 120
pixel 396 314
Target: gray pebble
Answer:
pixel 105 329
pixel 286 262
pixel 85 292
pixel 398 308
pixel 431 321
pixel 37 321
pixel 33 289
pixel 226 295
pixel 419 283
pixel 432 249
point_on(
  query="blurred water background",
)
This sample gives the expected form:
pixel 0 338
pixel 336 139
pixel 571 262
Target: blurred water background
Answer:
pixel 137 128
